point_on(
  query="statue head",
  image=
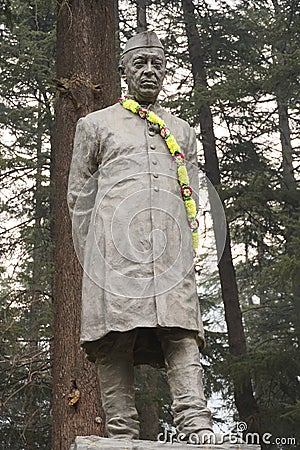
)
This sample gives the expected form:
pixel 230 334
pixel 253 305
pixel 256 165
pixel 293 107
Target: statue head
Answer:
pixel 143 65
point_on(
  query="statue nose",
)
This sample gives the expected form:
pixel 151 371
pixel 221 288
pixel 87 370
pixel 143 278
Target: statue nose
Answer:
pixel 149 68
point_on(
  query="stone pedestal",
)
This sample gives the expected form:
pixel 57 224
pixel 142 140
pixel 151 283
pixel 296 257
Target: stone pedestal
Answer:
pixel 99 443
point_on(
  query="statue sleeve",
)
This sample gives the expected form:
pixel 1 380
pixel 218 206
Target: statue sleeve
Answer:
pixel 83 182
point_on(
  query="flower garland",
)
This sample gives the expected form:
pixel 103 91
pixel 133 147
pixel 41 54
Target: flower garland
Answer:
pixel 178 157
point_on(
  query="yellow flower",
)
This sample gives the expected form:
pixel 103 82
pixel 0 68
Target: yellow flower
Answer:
pixel 183 177
pixel 191 208
pixel 172 144
pixel 153 118
pixel 195 239
pixel 131 105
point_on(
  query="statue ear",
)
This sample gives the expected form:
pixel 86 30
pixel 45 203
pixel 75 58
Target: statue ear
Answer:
pixel 122 71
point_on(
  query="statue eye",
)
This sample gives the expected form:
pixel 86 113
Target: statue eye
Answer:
pixel 157 64
pixel 138 63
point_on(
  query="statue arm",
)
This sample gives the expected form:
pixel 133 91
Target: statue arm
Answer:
pixel 83 182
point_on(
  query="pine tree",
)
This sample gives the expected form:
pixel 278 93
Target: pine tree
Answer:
pixel 274 267
pixel 86 82
pixel 25 296
pixel 244 399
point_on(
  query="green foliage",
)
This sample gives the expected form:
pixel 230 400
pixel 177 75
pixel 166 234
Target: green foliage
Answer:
pixel 27 63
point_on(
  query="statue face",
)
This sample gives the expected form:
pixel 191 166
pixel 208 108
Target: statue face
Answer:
pixel 144 71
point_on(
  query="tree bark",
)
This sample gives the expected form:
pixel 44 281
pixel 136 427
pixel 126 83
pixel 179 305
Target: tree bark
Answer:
pixel 32 401
pixel 85 82
pixel 289 186
pixel 291 199
pixel 141 7
pixel 243 392
pixel 147 403
pixel 117 47
pixel 289 183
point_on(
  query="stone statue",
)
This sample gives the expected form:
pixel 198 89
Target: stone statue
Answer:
pixel 133 237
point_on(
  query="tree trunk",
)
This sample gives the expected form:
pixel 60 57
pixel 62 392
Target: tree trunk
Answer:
pixel 146 399
pixel 291 196
pixel 35 286
pixel 32 401
pixel 244 398
pixel 141 7
pixel 289 183
pixel 289 186
pixel 117 47
pixel 85 82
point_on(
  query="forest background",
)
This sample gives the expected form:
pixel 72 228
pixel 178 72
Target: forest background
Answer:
pixel 234 70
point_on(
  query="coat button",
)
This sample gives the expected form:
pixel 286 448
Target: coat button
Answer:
pixel 155 175
pixel 152 146
pixel 154 162
pixel 156 188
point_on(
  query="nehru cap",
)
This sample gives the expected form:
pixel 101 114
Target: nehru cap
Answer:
pixel 146 39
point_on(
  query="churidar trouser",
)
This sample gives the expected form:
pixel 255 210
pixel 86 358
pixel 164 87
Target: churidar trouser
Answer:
pixel 116 377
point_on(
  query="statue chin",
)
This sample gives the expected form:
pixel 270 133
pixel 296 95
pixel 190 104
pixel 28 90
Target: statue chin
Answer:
pixel 147 96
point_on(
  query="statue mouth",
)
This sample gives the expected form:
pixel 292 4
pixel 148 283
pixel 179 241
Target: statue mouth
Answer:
pixel 149 83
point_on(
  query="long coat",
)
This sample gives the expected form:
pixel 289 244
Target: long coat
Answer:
pixel 130 228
